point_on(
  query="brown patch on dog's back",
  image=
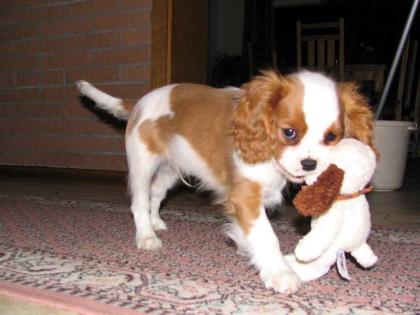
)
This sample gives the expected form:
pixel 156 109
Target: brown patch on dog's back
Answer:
pixel 203 115
pixel 151 135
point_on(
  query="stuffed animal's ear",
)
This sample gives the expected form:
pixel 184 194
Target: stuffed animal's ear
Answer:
pixel 318 198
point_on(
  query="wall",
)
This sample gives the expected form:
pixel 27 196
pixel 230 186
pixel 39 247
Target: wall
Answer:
pixel 189 35
pixel 226 22
pixel 46 45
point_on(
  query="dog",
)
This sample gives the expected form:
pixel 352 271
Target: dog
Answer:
pixel 243 144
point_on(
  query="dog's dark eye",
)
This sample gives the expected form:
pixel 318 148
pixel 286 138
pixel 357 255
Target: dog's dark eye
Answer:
pixel 329 137
pixel 290 133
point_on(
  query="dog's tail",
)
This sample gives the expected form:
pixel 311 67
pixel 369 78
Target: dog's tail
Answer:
pixel 117 107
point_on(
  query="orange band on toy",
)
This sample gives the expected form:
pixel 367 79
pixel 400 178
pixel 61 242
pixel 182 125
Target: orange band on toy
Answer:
pixel 354 195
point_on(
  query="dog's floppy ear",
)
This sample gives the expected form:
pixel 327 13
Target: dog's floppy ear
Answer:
pixel 254 126
pixel 358 116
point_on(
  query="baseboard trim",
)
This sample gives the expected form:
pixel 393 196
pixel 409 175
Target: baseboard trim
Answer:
pixel 63 173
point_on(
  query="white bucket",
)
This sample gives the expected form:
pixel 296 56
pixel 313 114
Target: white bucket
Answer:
pixel 391 139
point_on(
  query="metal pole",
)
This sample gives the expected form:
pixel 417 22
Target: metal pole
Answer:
pixel 396 58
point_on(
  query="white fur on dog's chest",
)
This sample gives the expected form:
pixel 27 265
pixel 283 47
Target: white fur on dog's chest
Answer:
pixel 272 195
pixel 272 182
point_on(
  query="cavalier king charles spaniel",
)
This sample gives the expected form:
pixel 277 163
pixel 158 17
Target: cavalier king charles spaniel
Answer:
pixel 243 144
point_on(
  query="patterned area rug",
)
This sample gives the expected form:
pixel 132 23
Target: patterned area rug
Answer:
pixel 81 253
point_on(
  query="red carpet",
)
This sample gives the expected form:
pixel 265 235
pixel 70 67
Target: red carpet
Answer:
pixel 81 256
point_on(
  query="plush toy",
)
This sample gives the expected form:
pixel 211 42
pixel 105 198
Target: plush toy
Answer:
pixel 335 198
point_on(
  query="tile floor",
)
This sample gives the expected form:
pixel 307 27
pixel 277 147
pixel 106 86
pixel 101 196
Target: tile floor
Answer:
pixel 397 209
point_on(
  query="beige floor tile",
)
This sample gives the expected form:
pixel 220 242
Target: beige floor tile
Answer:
pixel 9 306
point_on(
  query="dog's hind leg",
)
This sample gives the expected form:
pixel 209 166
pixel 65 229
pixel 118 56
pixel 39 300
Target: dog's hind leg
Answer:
pixel 142 166
pixel 164 179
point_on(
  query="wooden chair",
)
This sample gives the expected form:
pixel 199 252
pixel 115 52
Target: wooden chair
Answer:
pixel 323 46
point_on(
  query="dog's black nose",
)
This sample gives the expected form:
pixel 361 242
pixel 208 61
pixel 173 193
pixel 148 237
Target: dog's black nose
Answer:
pixel 308 164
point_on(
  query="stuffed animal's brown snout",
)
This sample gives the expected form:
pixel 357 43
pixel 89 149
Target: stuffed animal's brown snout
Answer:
pixel 318 198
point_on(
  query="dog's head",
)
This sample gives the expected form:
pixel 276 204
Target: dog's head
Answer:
pixel 297 119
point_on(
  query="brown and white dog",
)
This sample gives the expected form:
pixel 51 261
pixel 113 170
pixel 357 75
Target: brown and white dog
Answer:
pixel 243 144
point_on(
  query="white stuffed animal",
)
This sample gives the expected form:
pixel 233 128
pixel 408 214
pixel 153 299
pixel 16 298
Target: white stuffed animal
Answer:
pixel 344 225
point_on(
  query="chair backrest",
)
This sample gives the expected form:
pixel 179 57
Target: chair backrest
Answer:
pixel 323 46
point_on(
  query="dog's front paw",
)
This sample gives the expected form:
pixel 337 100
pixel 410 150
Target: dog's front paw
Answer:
pixel 291 260
pixel 285 281
pixel 306 251
pixel 148 243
